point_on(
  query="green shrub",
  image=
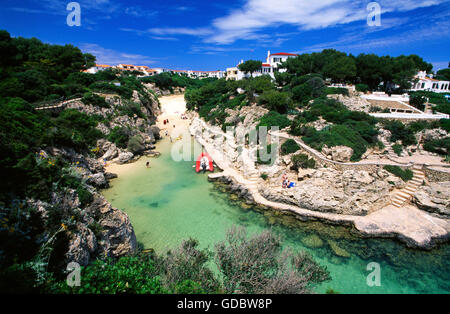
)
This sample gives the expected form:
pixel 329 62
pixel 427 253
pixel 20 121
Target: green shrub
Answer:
pixel 264 176
pixel 84 196
pixel 74 129
pixel 397 148
pixel 119 136
pixel 275 101
pixel 362 87
pixel 274 118
pixel 405 175
pixel 440 146
pixel 445 124
pixel 400 132
pixel 337 91
pixel 127 275
pixel 136 144
pixel 337 135
pixel 302 161
pixel 289 147
pixel 130 109
pixel 95 100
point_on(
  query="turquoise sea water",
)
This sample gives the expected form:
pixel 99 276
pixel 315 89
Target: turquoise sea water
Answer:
pixel 169 202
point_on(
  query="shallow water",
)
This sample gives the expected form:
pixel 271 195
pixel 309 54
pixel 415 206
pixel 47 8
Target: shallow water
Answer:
pixel 169 202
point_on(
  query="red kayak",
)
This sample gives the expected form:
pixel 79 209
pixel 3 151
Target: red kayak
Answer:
pixel 204 162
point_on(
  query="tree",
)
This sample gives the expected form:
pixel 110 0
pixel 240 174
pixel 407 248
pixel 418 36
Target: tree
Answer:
pixel 250 66
pixel 275 100
pixel 443 74
pixel 311 89
pixel 258 264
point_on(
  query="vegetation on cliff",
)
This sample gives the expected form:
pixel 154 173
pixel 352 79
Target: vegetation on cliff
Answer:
pixel 255 264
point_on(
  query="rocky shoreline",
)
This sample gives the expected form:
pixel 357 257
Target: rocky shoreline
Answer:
pixel 359 201
pixel 94 228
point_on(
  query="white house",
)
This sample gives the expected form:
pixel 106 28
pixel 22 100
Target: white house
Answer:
pixel 424 82
pixel 200 74
pixel 269 67
pixel 98 67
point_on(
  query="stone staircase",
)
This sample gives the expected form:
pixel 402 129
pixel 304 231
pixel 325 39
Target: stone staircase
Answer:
pixel 407 192
pixel 390 152
pixel 252 182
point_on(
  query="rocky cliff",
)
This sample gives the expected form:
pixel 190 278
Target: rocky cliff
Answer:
pixel 92 227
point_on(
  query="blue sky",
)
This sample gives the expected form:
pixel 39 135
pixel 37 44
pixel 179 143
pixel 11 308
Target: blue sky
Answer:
pixel 214 34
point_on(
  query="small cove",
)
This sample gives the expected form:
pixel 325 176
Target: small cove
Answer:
pixel 169 202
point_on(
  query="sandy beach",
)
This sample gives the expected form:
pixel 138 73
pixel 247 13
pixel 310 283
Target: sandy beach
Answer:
pixel 172 107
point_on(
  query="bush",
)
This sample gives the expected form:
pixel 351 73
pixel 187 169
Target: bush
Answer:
pixel 302 161
pixel 289 147
pixel 311 89
pixel 337 135
pixel 275 101
pixel 397 148
pixel 136 144
pixel 362 87
pixel 74 129
pixel 127 275
pixel 119 136
pixel 441 146
pixel 95 100
pixel 400 133
pixel 405 175
pixel 256 264
pixel 273 118
pixel 84 196
pixel 336 91
pixel 259 265
pixel 130 109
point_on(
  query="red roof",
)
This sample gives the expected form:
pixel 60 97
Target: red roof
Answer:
pixel 266 65
pixel 284 54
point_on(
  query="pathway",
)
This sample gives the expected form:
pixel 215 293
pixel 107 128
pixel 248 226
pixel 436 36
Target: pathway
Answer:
pixel 408 192
pixel 409 224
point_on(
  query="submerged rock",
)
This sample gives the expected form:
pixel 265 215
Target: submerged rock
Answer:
pixel 338 250
pixel 312 241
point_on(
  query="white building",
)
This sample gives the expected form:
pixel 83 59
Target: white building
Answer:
pixel 269 67
pixel 141 68
pixel 97 67
pixel 200 74
pixel 426 82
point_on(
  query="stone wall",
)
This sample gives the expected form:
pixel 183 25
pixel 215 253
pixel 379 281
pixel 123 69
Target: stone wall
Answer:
pixel 434 175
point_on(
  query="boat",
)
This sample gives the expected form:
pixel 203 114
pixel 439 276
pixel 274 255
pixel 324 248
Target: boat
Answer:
pixel 204 162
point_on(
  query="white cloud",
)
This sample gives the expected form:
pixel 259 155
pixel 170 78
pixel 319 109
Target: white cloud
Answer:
pixel 256 15
pixel 435 31
pixel 180 31
pixel 113 57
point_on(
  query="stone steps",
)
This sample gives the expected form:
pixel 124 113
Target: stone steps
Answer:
pixel 408 191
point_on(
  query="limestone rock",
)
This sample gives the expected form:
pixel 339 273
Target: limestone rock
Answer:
pixel 434 198
pixel 125 157
pixel 305 173
pixel 434 134
pixel 98 180
pixel 352 192
pixel 82 245
pixel 341 153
